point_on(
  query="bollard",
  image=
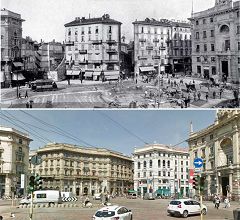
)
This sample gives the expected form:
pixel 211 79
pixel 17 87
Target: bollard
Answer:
pixel 236 214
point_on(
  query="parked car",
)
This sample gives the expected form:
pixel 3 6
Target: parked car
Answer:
pixel 97 196
pixel 44 196
pixel 132 196
pixel 185 207
pixel 149 196
pixel 113 212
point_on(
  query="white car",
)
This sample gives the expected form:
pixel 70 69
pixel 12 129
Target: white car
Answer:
pixel 113 212
pixel 185 207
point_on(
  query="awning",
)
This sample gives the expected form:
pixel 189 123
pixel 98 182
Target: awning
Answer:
pixel 111 75
pixel 18 76
pixel 17 64
pixel 132 191
pixel 2 77
pixel 146 68
pixel 73 72
pixel 88 73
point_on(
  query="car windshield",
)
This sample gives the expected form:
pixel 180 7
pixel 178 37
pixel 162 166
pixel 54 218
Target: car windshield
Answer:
pixel 175 202
pixel 105 214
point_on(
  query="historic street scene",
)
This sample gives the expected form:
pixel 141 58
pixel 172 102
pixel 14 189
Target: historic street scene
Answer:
pixel 120 164
pixel 95 54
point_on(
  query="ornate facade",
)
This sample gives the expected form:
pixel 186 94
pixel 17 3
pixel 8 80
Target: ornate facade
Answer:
pixel 215 42
pixel 161 167
pixel 14 153
pixel 219 147
pixel 83 170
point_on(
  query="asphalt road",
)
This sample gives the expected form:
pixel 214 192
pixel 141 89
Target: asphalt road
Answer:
pixel 141 209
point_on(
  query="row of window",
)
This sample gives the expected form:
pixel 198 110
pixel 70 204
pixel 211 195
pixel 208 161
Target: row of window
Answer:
pixel 158 30
pixel 205 59
pixel 162 163
pixel 83 39
pixel 163 155
pixel 89 30
pixel 163 173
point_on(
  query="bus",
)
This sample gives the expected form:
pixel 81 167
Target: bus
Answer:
pixel 43 85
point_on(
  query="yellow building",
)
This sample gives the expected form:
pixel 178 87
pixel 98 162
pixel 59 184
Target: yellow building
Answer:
pixel 83 170
pixel 14 153
pixel 219 147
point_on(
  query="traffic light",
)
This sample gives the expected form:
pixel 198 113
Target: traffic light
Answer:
pixel 196 182
pixel 202 183
pixel 31 183
pixel 38 182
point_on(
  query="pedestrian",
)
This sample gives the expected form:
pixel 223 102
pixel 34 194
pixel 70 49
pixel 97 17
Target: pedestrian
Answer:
pixel 214 94
pixel 199 95
pixel 68 81
pixel 186 102
pixel 86 201
pixel 193 82
pixel 220 93
pixel 19 95
pixel 146 94
pixel 27 105
pixel 26 94
pixel 1 218
pixel 206 96
pixel 194 96
pixel 227 202
pixel 217 202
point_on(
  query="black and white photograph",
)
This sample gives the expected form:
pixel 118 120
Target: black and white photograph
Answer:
pixel 120 54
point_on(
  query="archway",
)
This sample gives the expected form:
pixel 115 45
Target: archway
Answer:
pixel 226 152
pixel 85 191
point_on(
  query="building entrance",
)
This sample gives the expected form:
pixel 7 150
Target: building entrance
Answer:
pixel 224 70
pixel 225 183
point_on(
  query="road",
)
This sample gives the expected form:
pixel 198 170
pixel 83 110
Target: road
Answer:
pixel 141 209
pixel 93 94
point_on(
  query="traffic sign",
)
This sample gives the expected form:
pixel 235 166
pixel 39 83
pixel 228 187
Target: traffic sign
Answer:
pixel 36 160
pixel 198 162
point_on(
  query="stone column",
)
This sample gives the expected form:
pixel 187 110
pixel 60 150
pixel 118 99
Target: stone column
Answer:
pixel 208 184
pixel 235 144
pixel 231 181
pixel 217 183
pixel 8 183
pixel 74 187
pixel 81 187
pixel 90 187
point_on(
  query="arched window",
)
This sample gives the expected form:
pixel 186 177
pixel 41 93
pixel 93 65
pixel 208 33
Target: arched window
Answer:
pixel 144 164
pixel 139 165
pixel 164 163
pixel 224 29
pixel 159 163
pixel 150 163
pixel 168 164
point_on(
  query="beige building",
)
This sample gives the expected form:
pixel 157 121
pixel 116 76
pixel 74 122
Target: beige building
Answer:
pixel 161 169
pixel 93 48
pixel 219 146
pixel 216 42
pixel 83 170
pixel 14 154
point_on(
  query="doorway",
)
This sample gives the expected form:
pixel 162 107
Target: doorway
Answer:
pixel 225 183
pixel 77 191
pixel 225 69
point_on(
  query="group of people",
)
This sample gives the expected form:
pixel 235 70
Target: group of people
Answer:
pixel 217 201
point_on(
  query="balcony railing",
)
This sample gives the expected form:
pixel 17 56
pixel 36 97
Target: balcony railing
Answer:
pixel 96 42
pixel 113 51
pixel 142 57
pixel 156 57
pixel 70 43
pixel 83 51
pixel 111 42
pixel 142 40
pixel 162 48
pixel 111 61
pixel 149 47
pixel 156 40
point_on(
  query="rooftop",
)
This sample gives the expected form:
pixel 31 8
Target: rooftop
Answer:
pixel 12 130
pixel 105 19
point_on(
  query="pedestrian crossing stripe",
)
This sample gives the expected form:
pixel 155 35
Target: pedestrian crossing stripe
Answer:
pixel 69 199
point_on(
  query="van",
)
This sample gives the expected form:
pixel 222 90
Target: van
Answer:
pixel 44 196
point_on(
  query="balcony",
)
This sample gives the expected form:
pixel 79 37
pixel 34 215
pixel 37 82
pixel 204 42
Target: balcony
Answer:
pixel 95 61
pixel 162 48
pixel 156 57
pixel 96 42
pixel 149 48
pixel 111 61
pixel 142 57
pixel 155 40
pixel 83 51
pixel 111 42
pixel 69 43
pixel 112 51
pixel 142 40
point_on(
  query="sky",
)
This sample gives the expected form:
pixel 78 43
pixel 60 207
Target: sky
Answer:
pixel 119 130
pixel 45 19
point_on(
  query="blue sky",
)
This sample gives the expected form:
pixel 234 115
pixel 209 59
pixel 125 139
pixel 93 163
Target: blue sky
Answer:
pixel 95 128
pixel 45 19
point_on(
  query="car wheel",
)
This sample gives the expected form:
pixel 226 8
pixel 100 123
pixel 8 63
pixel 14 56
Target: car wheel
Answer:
pixel 204 211
pixel 185 214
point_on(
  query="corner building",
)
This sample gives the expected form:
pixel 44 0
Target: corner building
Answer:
pixel 219 146
pixel 216 42
pixel 161 169
pixel 81 170
pixel 14 154
pixel 93 48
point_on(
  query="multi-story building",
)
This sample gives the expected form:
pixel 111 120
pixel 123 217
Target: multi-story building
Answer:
pixel 93 48
pixel 180 48
pixel 219 146
pixel 160 44
pixel 215 42
pixel 161 168
pixel 83 170
pixel 11 38
pixel 14 154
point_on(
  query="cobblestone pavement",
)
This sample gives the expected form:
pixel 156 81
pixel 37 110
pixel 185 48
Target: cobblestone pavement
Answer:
pixel 141 209
pixel 90 94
